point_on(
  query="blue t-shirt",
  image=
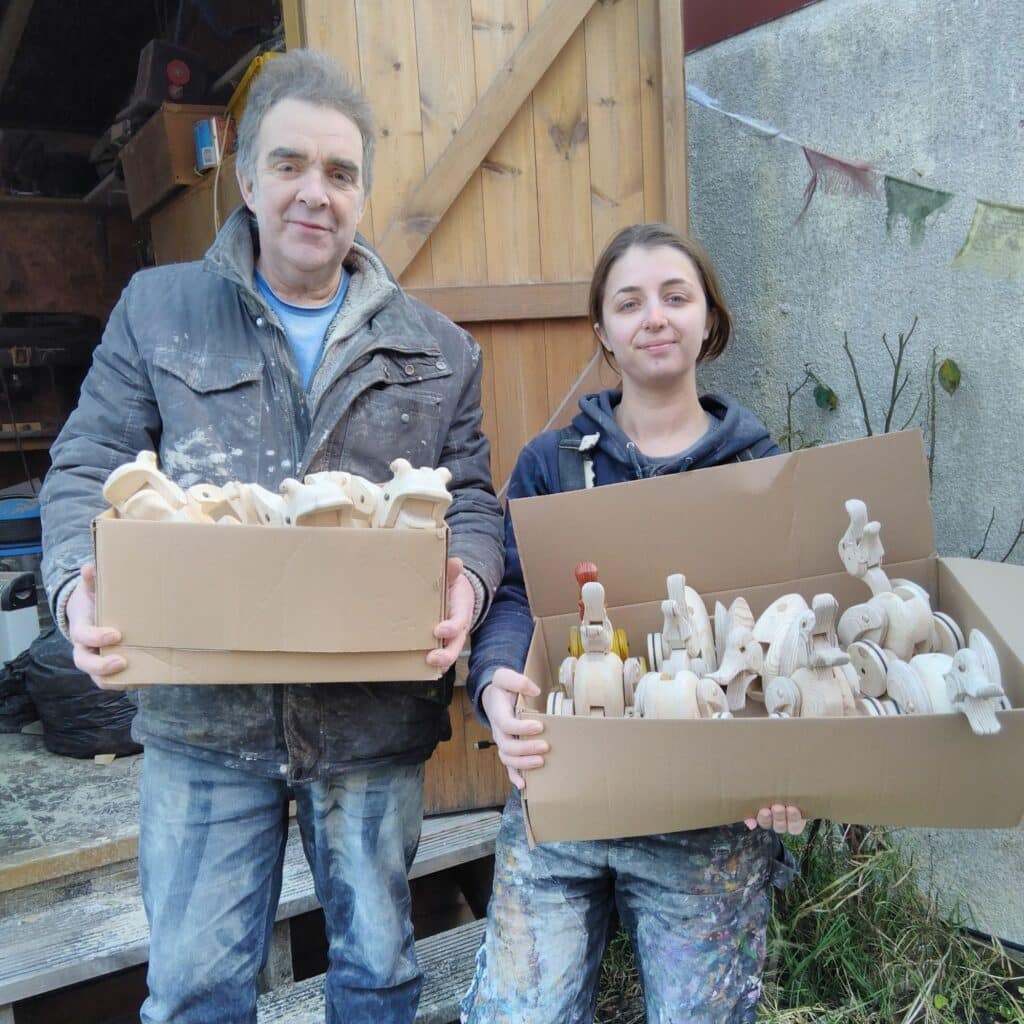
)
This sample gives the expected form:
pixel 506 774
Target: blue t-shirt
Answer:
pixel 305 326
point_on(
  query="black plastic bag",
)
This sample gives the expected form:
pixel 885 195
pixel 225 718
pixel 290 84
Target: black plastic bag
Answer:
pixel 16 707
pixel 78 719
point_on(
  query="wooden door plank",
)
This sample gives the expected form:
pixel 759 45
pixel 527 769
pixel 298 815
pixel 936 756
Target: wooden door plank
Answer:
pixel 652 122
pixel 473 303
pixel 388 59
pixel 448 92
pixel 520 385
pixel 570 345
pixel 561 143
pixel 330 25
pixel 616 139
pixel 293 14
pixel 509 169
pixel 490 425
pixel 424 207
pixel 673 112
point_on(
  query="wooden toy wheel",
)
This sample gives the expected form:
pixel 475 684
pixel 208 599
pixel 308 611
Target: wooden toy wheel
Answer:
pixel 620 644
pixel 575 643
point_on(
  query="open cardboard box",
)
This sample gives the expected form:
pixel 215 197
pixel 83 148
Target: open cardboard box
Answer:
pixel 199 603
pixel 762 529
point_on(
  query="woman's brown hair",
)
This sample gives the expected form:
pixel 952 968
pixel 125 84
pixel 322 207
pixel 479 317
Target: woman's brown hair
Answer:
pixel 650 236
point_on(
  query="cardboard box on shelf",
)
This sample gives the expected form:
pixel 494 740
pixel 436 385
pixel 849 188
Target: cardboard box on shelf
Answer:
pixel 200 603
pixel 161 158
pixel 762 529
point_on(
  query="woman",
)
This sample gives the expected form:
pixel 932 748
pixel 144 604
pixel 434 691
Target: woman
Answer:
pixel 695 904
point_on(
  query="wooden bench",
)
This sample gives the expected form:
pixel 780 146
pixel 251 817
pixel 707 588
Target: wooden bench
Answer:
pixel 92 924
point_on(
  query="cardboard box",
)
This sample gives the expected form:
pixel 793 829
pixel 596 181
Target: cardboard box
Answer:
pixel 200 603
pixel 762 529
pixel 162 156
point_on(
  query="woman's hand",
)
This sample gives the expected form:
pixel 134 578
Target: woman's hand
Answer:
pixel 518 747
pixel 781 818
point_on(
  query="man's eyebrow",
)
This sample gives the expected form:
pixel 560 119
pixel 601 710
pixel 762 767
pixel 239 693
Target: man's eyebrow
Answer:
pixel 284 153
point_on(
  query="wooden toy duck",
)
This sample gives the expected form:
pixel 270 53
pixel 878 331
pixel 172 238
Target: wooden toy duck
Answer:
pixel 740 657
pixel 974 685
pixel 139 490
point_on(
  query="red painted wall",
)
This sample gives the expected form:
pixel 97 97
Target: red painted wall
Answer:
pixel 707 21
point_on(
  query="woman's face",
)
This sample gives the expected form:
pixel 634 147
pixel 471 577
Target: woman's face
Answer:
pixel 654 315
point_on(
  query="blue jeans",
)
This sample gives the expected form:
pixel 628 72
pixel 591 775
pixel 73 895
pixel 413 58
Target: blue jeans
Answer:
pixel 211 849
pixel 695 905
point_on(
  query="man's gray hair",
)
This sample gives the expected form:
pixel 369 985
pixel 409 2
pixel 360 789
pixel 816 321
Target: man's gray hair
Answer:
pixel 312 77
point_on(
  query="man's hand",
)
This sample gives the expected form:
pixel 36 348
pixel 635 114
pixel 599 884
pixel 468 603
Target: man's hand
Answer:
pixel 86 636
pixel 781 818
pixel 518 747
pixel 452 632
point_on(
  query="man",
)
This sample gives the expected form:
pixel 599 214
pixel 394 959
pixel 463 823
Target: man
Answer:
pixel 288 350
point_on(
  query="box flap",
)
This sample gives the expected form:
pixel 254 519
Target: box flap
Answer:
pixel 736 526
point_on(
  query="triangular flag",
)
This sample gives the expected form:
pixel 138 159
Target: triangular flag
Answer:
pixel 833 175
pixel 914 202
pixel 995 241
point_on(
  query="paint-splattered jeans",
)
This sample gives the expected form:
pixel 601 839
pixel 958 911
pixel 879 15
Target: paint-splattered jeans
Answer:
pixel 695 905
pixel 211 848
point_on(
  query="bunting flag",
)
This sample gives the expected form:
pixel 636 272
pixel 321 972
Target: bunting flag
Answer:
pixel 914 203
pixel 995 241
pixel 835 176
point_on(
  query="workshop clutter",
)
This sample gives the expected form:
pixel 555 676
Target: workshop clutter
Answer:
pixel 780 667
pixel 240 584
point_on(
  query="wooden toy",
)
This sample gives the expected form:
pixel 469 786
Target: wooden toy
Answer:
pixel 320 500
pixel 899 614
pixel 598 682
pixel 586 572
pixel 974 684
pixel 740 657
pixel 686 639
pixel 413 498
pixel 156 495
pixel 812 681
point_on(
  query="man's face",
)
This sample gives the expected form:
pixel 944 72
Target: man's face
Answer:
pixel 307 196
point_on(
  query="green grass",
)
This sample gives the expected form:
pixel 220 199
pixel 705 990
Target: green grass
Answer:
pixel 854 941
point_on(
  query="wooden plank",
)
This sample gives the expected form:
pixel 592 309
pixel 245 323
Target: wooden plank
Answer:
pixel 12 27
pixel 185 226
pixel 475 303
pixel 520 365
pixel 651 120
pixel 100 927
pixel 446 959
pixel 482 333
pixel 294 17
pixel 561 142
pixel 509 89
pixel 509 169
pixel 570 346
pixel 673 112
pixel 448 92
pixel 388 65
pixel 330 25
pixel 616 139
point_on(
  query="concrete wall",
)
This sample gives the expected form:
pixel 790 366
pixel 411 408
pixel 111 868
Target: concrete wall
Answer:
pixel 930 92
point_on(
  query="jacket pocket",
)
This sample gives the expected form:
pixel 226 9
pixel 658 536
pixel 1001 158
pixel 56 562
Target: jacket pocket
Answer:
pixel 212 412
pixel 403 415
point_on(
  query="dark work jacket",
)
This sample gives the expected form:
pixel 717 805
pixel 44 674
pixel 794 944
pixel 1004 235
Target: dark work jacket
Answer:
pixel 736 433
pixel 195 366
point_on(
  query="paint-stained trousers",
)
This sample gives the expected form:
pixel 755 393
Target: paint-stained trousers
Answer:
pixel 211 849
pixel 695 906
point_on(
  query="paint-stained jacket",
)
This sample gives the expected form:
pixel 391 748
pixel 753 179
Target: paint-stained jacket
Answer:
pixel 195 365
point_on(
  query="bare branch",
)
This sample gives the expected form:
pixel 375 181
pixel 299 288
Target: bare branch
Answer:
pixel 856 380
pixel 1016 540
pixel 931 434
pixel 984 540
pixel 913 412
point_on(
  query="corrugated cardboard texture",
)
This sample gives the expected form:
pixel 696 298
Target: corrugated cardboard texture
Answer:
pixel 735 526
pixel 616 777
pixel 199 603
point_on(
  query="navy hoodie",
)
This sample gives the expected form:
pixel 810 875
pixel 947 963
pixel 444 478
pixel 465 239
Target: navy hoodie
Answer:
pixel 735 433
